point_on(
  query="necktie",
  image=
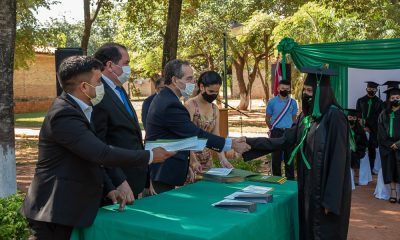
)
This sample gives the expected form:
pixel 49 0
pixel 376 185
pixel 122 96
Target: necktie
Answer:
pixel 124 100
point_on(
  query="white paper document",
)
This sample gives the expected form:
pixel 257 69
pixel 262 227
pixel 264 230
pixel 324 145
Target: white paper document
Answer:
pixel 256 189
pixel 219 171
pixel 172 145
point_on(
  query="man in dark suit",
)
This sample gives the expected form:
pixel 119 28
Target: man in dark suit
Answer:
pixel 146 103
pixel 169 119
pixel 68 182
pixel 115 119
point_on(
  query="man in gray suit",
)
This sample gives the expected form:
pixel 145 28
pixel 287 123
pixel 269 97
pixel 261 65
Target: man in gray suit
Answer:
pixel 69 178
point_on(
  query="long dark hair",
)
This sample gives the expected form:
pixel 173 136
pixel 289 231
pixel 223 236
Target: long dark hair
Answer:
pixel 209 78
pixel 327 96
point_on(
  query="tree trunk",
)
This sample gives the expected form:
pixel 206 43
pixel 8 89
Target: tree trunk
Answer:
pixel 243 94
pixel 8 183
pixel 170 47
pixel 88 23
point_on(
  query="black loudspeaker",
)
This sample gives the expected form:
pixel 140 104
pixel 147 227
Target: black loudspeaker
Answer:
pixel 60 55
pixel 288 73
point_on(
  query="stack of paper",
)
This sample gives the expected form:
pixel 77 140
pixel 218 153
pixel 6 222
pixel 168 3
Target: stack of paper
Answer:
pixel 173 145
pixel 250 197
pixel 234 175
pixel 235 205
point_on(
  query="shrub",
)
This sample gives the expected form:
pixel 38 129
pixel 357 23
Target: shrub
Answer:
pixel 12 223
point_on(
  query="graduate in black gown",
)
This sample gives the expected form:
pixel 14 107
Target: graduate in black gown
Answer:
pixel 321 137
pixel 370 106
pixel 389 141
pixel 358 140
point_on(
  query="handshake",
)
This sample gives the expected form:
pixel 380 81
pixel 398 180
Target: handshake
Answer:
pixel 239 145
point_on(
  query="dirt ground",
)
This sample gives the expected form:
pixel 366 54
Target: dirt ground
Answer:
pixel 371 219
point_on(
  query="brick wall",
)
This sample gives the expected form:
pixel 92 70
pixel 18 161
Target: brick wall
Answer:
pixel 34 88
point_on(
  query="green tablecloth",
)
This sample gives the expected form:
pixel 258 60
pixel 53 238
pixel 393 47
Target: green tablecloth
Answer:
pixel 186 213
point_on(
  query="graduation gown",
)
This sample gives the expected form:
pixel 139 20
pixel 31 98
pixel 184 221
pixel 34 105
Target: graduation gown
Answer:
pixel 327 185
pixel 371 121
pixel 361 142
pixel 390 158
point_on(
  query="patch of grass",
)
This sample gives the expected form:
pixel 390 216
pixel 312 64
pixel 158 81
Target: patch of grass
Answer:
pixel 29 119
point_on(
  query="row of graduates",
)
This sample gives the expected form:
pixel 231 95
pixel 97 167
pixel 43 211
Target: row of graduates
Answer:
pixel 381 121
pixel 327 143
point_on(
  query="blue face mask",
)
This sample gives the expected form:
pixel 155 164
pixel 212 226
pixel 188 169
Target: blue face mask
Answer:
pixel 188 90
pixel 126 73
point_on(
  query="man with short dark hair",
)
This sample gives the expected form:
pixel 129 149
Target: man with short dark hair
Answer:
pixel 68 183
pixel 115 119
pixel 280 115
pixel 169 119
pixel 159 85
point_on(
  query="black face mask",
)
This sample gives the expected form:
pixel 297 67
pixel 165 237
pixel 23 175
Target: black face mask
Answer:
pixel 352 122
pixel 395 103
pixel 284 93
pixel 209 97
pixel 371 93
pixel 306 100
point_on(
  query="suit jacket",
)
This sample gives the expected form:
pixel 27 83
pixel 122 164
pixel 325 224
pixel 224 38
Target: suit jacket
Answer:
pixel 115 126
pixel 68 183
pixel 169 119
pixel 145 108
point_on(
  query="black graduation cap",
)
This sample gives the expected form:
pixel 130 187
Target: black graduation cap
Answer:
pixel 392 91
pixel 392 84
pixel 372 84
pixel 317 77
pixel 353 112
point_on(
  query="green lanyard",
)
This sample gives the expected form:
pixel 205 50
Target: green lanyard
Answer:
pixel 307 124
pixel 369 107
pixel 353 146
pixel 391 124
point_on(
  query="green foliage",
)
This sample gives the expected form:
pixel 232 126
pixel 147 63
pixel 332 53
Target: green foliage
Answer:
pixel 28 33
pixel 12 223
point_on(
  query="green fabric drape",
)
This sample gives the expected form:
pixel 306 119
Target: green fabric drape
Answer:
pixel 369 54
pixel 186 214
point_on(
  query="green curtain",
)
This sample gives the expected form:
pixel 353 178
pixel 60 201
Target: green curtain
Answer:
pixel 368 54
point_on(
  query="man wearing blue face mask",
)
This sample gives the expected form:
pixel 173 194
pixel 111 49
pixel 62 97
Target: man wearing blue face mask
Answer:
pixel 168 118
pixel 115 119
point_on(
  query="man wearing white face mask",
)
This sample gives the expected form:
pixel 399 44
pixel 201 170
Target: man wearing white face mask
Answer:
pixel 69 178
pixel 116 122
pixel 169 119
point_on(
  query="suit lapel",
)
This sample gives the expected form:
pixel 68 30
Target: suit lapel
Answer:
pixel 71 101
pixel 117 101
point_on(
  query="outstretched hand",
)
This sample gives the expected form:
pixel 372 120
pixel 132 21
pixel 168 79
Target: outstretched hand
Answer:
pixel 239 145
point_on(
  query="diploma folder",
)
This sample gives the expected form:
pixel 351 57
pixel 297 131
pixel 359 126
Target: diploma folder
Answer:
pixel 254 197
pixel 234 205
pixel 236 175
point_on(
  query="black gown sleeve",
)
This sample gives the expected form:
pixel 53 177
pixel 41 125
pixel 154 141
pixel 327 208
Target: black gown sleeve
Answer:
pixel 336 162
pixel 262 146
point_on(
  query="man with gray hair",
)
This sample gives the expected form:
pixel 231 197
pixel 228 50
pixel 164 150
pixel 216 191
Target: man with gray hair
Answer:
pixel 169 119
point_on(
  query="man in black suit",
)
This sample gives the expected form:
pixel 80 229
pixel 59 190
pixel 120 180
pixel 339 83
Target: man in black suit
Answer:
pixel 169 119
pixel 146 103
pixel 115 119
pixel 68 182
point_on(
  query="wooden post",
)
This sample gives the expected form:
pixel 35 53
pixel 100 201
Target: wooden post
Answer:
pixel 223 122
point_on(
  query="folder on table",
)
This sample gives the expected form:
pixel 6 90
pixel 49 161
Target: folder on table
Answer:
pixel 235 205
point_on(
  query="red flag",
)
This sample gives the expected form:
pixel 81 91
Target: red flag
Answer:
pixel 277 77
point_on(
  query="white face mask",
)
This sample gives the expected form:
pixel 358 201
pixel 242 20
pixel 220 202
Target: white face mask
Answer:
pixel 126 73
pixel 99 94
pixel 189 88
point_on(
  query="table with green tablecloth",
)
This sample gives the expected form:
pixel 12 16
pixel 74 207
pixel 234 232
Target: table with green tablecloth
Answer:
pixel 186 213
